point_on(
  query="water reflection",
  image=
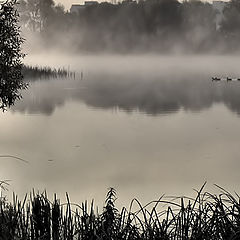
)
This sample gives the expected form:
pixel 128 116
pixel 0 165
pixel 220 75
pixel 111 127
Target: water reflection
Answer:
pixel 72 148
pixel 152 94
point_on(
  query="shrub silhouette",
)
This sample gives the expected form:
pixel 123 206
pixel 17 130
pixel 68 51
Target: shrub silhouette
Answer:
pixel 11 79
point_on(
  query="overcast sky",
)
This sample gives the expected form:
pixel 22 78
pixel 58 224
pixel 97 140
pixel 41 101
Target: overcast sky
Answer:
pixel 68 3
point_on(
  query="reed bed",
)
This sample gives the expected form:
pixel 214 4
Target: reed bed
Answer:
pixel 37 72
pixel 208 216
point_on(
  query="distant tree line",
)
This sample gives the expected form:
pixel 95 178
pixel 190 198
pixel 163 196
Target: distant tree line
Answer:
pixel 155 25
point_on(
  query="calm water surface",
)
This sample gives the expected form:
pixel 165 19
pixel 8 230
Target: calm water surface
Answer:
pixel 146 125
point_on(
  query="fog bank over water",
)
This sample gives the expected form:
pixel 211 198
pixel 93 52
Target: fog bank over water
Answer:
pixel 150 84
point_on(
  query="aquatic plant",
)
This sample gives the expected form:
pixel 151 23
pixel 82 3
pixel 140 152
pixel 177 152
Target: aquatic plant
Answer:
pixel 37 72
pixel 208 216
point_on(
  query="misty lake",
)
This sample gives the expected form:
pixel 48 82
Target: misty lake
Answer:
pixel 146 125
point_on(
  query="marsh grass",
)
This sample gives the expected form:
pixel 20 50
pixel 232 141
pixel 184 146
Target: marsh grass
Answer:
pixel 208 216
pixel 37 72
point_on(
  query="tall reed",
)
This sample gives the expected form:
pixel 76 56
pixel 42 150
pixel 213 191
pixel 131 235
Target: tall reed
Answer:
pixel 208 216
pixel 37 72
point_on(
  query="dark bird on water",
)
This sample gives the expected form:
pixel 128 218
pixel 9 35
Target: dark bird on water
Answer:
pixel 215 79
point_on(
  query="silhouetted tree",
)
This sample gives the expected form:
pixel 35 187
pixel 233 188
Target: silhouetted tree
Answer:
pixel 46 12
pixel 162 25
pixel 230 25
pixel 231 21
pixel 198 24
pixel 25 15
pixel 11 79
pixel 39 15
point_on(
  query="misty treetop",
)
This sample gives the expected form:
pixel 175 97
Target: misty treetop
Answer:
pixel 158 25
pixel 38 15
pixel 11 80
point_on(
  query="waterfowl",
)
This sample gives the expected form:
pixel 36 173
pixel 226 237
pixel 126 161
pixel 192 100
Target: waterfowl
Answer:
pixel 215 79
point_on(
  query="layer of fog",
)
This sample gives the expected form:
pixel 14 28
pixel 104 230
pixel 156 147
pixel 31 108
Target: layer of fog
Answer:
pixel 149 84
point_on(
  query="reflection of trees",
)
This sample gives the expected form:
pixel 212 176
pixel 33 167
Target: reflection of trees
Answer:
pixel 10 55
pixel 153 95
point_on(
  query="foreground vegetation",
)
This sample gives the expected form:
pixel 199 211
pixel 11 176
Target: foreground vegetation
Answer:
pixel 208 216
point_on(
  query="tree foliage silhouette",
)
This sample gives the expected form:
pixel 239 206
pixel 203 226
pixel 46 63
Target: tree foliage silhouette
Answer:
pixel 11 79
